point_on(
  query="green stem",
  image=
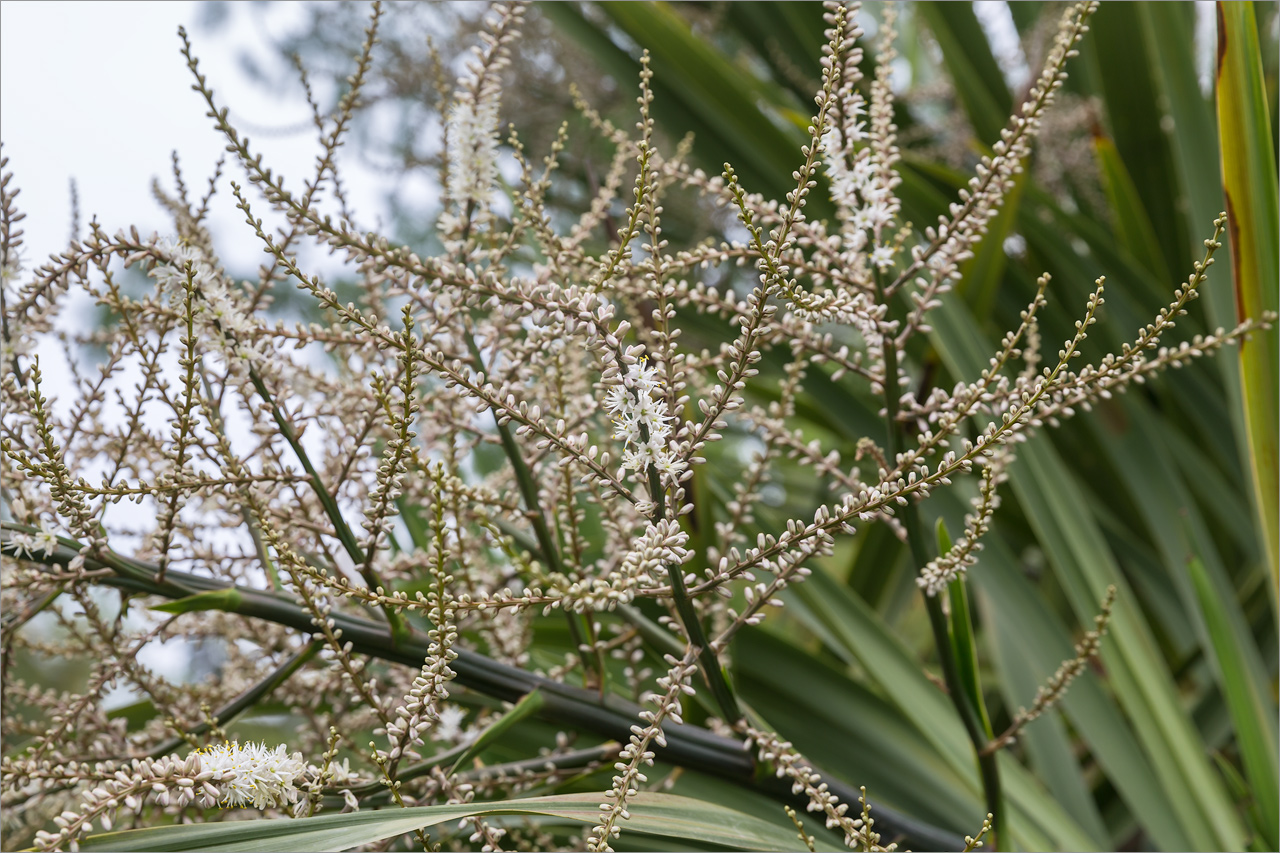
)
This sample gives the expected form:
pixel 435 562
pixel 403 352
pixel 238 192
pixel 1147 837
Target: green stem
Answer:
pixel 910 515
pixel 579 631
pixel 400 630
pixel 711 669
pixel 610 716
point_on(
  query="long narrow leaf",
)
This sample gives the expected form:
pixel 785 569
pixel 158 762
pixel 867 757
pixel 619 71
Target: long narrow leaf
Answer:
pixel 1252 712
pixel 864 636
pixel 1062 520
pixel 1249 180
pixel 652 814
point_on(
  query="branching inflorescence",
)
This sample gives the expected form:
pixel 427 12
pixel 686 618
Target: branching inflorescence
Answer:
pixel 515 425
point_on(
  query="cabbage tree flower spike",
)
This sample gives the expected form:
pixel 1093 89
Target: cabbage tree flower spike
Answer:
pixel 632 406
pixel 251 774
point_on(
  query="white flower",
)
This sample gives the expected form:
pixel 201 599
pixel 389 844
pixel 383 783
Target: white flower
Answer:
pixel 252 774
pixel 21 543
pixel 172 276
pixel 882 256
pixel 45 541
pixel 472 150
pixel 11 272
pixel 864 171
pixel 635 410
pixel 861 219
pixel 450 725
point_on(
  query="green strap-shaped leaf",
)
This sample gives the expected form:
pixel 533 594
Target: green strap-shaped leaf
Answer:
pixel 963 640
pixel 1019 611
pixel 1133 226
pixel 1035 820
pixel 1062 519
pixel 1197 572
pixel 848 729
pixel 1249 180
pixel 651 814
pixel 1126 83
pixel 974 69
pixel 1252 712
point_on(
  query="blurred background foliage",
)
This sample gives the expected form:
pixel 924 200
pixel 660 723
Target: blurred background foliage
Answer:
pixel 1169 742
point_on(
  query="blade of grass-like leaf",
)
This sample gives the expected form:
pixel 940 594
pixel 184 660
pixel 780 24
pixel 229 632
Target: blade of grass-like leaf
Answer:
pixel 967 650
pixel 856 733
pixel 1229 508
pixel 700 786
pixel 1134 114
pixel 893 668
pixel 1208 596
pixel 1048 745
pixel 962 639
pixel 1252 713
pixel 1140 452
pixel 1061 517
pixel 1058 511
pixel 1133 226
pixel 1017 607
pixel 1194 145
pixel 1160 602
pixel 1249 181
pixel 974 69
pixel 652 814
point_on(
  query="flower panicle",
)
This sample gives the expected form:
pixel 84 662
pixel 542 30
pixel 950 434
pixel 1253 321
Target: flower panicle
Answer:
pixel 641 421
pixel 253 774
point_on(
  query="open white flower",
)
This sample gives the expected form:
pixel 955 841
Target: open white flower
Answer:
pixel 635 412
pixel 251 774
pixel 473 150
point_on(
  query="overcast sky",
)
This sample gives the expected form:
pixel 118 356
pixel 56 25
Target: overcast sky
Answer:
pixel 99 92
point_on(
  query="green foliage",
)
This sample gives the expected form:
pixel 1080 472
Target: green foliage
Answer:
pixel 1164 496
pixel 671 818
pixel 1141 771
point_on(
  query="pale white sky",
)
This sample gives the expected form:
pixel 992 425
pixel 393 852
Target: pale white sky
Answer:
pixel 99 91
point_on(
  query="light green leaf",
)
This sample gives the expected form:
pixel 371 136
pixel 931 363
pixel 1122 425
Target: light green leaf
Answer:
pixel 1252 712
pixel 215 599
pixel 962 637
pixel 1249 180
pixel 528 705
pixel 651 814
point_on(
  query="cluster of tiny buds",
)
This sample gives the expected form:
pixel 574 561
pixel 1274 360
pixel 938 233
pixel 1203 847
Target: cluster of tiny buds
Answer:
pixel 227 774
pixel 470 440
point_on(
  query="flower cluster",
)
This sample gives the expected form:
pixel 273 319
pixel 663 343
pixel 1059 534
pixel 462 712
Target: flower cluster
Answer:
pixel 472 151
pixel 214 305
pixel 45 541
pixel 641 421
pixel 867 205
pixel 251 774
pixel 452 411
pixel 941 571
